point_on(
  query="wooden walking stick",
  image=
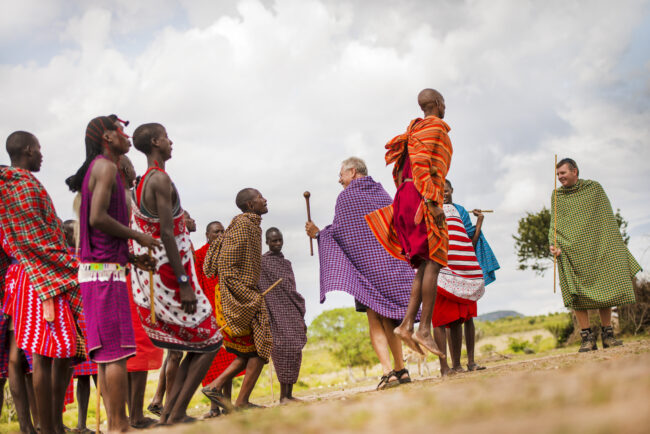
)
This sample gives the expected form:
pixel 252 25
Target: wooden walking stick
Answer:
pixel 98 408
pixel 151 295
pixel 271 378
pixel 277 282
pixel 311 240
pixel 554 222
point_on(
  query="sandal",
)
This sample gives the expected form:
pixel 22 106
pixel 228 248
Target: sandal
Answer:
pixel 155 409
pixel 475 367
pixel 384 382
pixel 399 374
pixel 217 397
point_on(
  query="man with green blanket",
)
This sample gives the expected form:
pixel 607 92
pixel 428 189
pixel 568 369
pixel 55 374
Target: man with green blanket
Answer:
pixel 595 267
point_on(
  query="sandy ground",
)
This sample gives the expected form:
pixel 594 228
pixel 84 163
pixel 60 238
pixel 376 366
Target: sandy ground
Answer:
pixel 598 392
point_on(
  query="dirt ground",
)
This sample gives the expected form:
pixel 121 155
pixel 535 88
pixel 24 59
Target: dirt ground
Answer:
pixel 606 391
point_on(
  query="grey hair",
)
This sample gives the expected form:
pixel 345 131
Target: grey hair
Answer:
pixel 355 163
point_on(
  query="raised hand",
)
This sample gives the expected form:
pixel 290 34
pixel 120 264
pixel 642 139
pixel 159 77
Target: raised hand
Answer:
pixel 311 229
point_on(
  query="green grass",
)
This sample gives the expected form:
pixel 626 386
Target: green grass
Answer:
pixel 509 325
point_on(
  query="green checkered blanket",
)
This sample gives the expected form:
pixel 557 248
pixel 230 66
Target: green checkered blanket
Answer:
pixel 596 268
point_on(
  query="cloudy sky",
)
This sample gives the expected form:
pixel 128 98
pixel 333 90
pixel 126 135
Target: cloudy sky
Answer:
pixel 274 94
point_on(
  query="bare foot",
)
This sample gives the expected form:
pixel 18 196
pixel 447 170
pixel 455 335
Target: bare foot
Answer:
pixel 214 412
pixel 405 336
pixel 289 400
pixel 458 369
pixel 447 372
pixel 182 419
pixel 247 406
pixel 144 423
pixel 426 340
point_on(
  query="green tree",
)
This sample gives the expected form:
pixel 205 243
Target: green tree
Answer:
pixel 531 240
pixel 347 331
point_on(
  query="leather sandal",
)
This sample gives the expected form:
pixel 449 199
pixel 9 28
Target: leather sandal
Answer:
pixel 385 383
pixel 399 374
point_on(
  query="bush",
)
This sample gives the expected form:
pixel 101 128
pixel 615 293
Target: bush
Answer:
pixel 520 346
pixel 561 331
pixel 347 336
pixel 635 318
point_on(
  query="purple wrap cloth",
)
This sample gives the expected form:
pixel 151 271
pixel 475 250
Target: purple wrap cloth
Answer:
pixel 353 261
pixel 286 309
pixel 102 278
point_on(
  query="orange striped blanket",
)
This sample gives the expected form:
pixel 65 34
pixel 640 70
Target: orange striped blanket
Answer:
pixel 429 152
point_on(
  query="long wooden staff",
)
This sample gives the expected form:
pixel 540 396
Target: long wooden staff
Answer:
pixel 151 295
pixel 98 407
pixel 555 223
pixel 311 240
pixel 271 378
pixel 277 282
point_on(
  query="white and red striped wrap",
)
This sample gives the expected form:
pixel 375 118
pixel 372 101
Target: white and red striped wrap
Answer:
pixel 462 278
pixel 174 329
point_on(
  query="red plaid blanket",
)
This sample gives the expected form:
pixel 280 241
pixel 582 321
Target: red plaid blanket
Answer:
pixel 32 227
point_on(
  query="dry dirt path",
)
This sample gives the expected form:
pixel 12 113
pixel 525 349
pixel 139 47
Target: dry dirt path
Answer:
pixel 600 392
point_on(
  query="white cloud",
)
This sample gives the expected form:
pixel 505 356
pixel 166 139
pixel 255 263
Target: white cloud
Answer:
pixel 275 94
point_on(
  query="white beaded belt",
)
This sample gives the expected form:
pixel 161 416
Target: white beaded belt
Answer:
pixel 101 272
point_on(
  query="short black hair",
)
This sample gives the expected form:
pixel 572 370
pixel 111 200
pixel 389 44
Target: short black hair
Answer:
pixel 144 134
pixel 569 162
pixel 69 222
pixel 272 229
pixel 243 197
pixel 207 228
pixel 449 182
pixel 18 142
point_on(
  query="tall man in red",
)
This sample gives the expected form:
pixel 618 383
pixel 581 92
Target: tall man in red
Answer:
pixel 184 318
pixel 44 273
pixel 413 228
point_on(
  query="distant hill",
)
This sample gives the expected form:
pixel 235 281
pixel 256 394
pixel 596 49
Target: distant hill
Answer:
pixel 493 316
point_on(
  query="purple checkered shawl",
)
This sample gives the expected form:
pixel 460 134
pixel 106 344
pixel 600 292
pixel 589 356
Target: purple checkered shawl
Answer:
pixel 353 261
pixel 286 309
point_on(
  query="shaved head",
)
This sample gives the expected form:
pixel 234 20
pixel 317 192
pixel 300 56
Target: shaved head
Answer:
pixel 18 143
pixel 244 196
pixel 24 151
pixel 143 136
pixel 428 96
pixel 432 103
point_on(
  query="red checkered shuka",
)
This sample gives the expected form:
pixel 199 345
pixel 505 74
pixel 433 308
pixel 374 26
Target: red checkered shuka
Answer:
pixel 35 233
